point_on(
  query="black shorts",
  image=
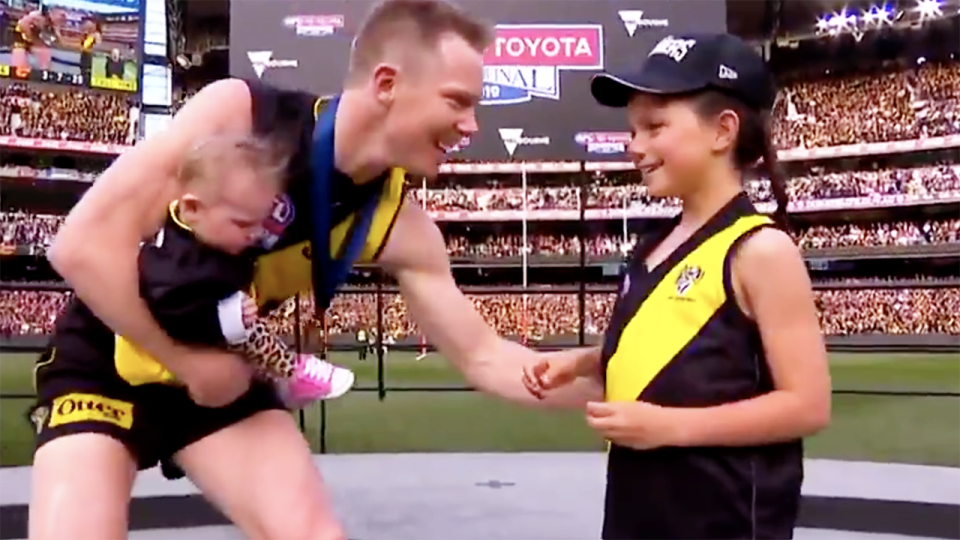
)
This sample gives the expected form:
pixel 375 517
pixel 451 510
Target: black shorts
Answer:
pixel 154 421
pixel 86 62
pixel 24 41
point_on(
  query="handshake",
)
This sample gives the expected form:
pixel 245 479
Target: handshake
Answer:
pixel 575 377
pixel 561 369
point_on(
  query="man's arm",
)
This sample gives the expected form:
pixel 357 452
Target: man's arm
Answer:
pixel 416 255
pixel 96 249
pixel 195 310
pixel 201 305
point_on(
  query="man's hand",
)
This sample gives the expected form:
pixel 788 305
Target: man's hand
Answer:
pixel 546 375
pixel 214 378
pixel 557 370
pixel 416 255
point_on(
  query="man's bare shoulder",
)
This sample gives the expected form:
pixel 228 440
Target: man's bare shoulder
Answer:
pixel 220 107
pixel 142 181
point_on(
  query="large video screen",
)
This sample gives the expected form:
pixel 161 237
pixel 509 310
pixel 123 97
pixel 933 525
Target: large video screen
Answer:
pixel 536 96
pixel 88 43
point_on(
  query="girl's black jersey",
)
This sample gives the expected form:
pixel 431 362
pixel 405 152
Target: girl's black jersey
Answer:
pixel 677 338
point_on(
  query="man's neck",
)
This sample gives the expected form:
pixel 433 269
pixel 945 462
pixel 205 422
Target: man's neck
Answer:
pixel 358 146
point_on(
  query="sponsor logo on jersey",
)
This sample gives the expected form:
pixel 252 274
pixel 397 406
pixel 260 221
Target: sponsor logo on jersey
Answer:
pixel 513 137
pixel 314 25
pixel 525 60
pixel 263 60
pixel 279 219
pixel 603 142
pixel 687 278
pixel 633 19
pixel 73 408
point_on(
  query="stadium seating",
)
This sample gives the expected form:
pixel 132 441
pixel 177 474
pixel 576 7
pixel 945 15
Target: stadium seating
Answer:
pixel 65 115
pixel 904 105
pixel 855 311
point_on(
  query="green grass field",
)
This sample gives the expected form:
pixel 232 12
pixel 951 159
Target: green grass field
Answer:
pixel 877 428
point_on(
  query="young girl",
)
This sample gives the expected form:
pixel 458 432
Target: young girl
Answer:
pixel 713 366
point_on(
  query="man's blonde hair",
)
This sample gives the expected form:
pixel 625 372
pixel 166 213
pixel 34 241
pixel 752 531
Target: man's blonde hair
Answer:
pixel 398 23
pixel 209 161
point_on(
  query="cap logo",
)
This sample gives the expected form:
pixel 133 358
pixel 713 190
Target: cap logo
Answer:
pixel 674 48
pixel 727 73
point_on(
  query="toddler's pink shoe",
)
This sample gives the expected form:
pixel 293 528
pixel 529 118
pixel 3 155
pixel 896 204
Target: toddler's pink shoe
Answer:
pixel 315 379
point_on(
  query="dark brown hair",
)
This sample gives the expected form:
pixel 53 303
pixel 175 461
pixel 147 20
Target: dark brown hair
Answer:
pixel 421 22
pixel 754 149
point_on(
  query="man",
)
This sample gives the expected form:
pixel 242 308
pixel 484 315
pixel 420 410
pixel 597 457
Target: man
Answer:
pixel 414 81
pixel 362 343
pixel 113 67
pixel 92 35
pixel 35 33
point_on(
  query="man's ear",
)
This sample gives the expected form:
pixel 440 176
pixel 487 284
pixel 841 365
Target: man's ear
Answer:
pixel 385 82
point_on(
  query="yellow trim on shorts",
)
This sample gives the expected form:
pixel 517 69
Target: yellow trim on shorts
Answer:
pixel 42 364
pixel 136 367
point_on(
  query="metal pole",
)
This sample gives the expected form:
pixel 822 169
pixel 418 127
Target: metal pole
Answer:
pixel 624 220
pixel 524 256
pixel 381 385
pixel 323 404
pixel 581 236
pixel 298 346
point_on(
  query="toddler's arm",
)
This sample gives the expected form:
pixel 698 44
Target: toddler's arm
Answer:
pixel 250 336
pixel 300 379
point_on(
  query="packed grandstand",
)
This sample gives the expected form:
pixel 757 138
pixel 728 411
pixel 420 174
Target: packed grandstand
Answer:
pixel 879 220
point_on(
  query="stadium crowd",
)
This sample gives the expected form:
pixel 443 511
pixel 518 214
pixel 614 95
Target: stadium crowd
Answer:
pixel 902 233
pixel 917 103
pixel 73 115
pixel 851 311
pixel 36 231
pixel 939 180
pixel 897 106
pixel 18 228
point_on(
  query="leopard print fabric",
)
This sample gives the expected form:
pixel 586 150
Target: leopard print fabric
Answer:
pixel 267 352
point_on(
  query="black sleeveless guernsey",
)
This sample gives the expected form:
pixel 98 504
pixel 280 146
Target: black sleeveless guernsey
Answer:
pixel 284 265
pixel 677 338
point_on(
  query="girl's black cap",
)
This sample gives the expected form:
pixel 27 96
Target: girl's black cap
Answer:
pixel 692 63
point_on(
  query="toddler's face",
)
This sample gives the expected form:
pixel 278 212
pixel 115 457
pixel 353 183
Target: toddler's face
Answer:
pixel 233 220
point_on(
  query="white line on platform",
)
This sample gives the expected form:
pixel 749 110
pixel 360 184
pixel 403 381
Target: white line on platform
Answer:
pixel 364 473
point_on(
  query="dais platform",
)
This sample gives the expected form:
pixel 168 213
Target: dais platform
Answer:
pixel 552 496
